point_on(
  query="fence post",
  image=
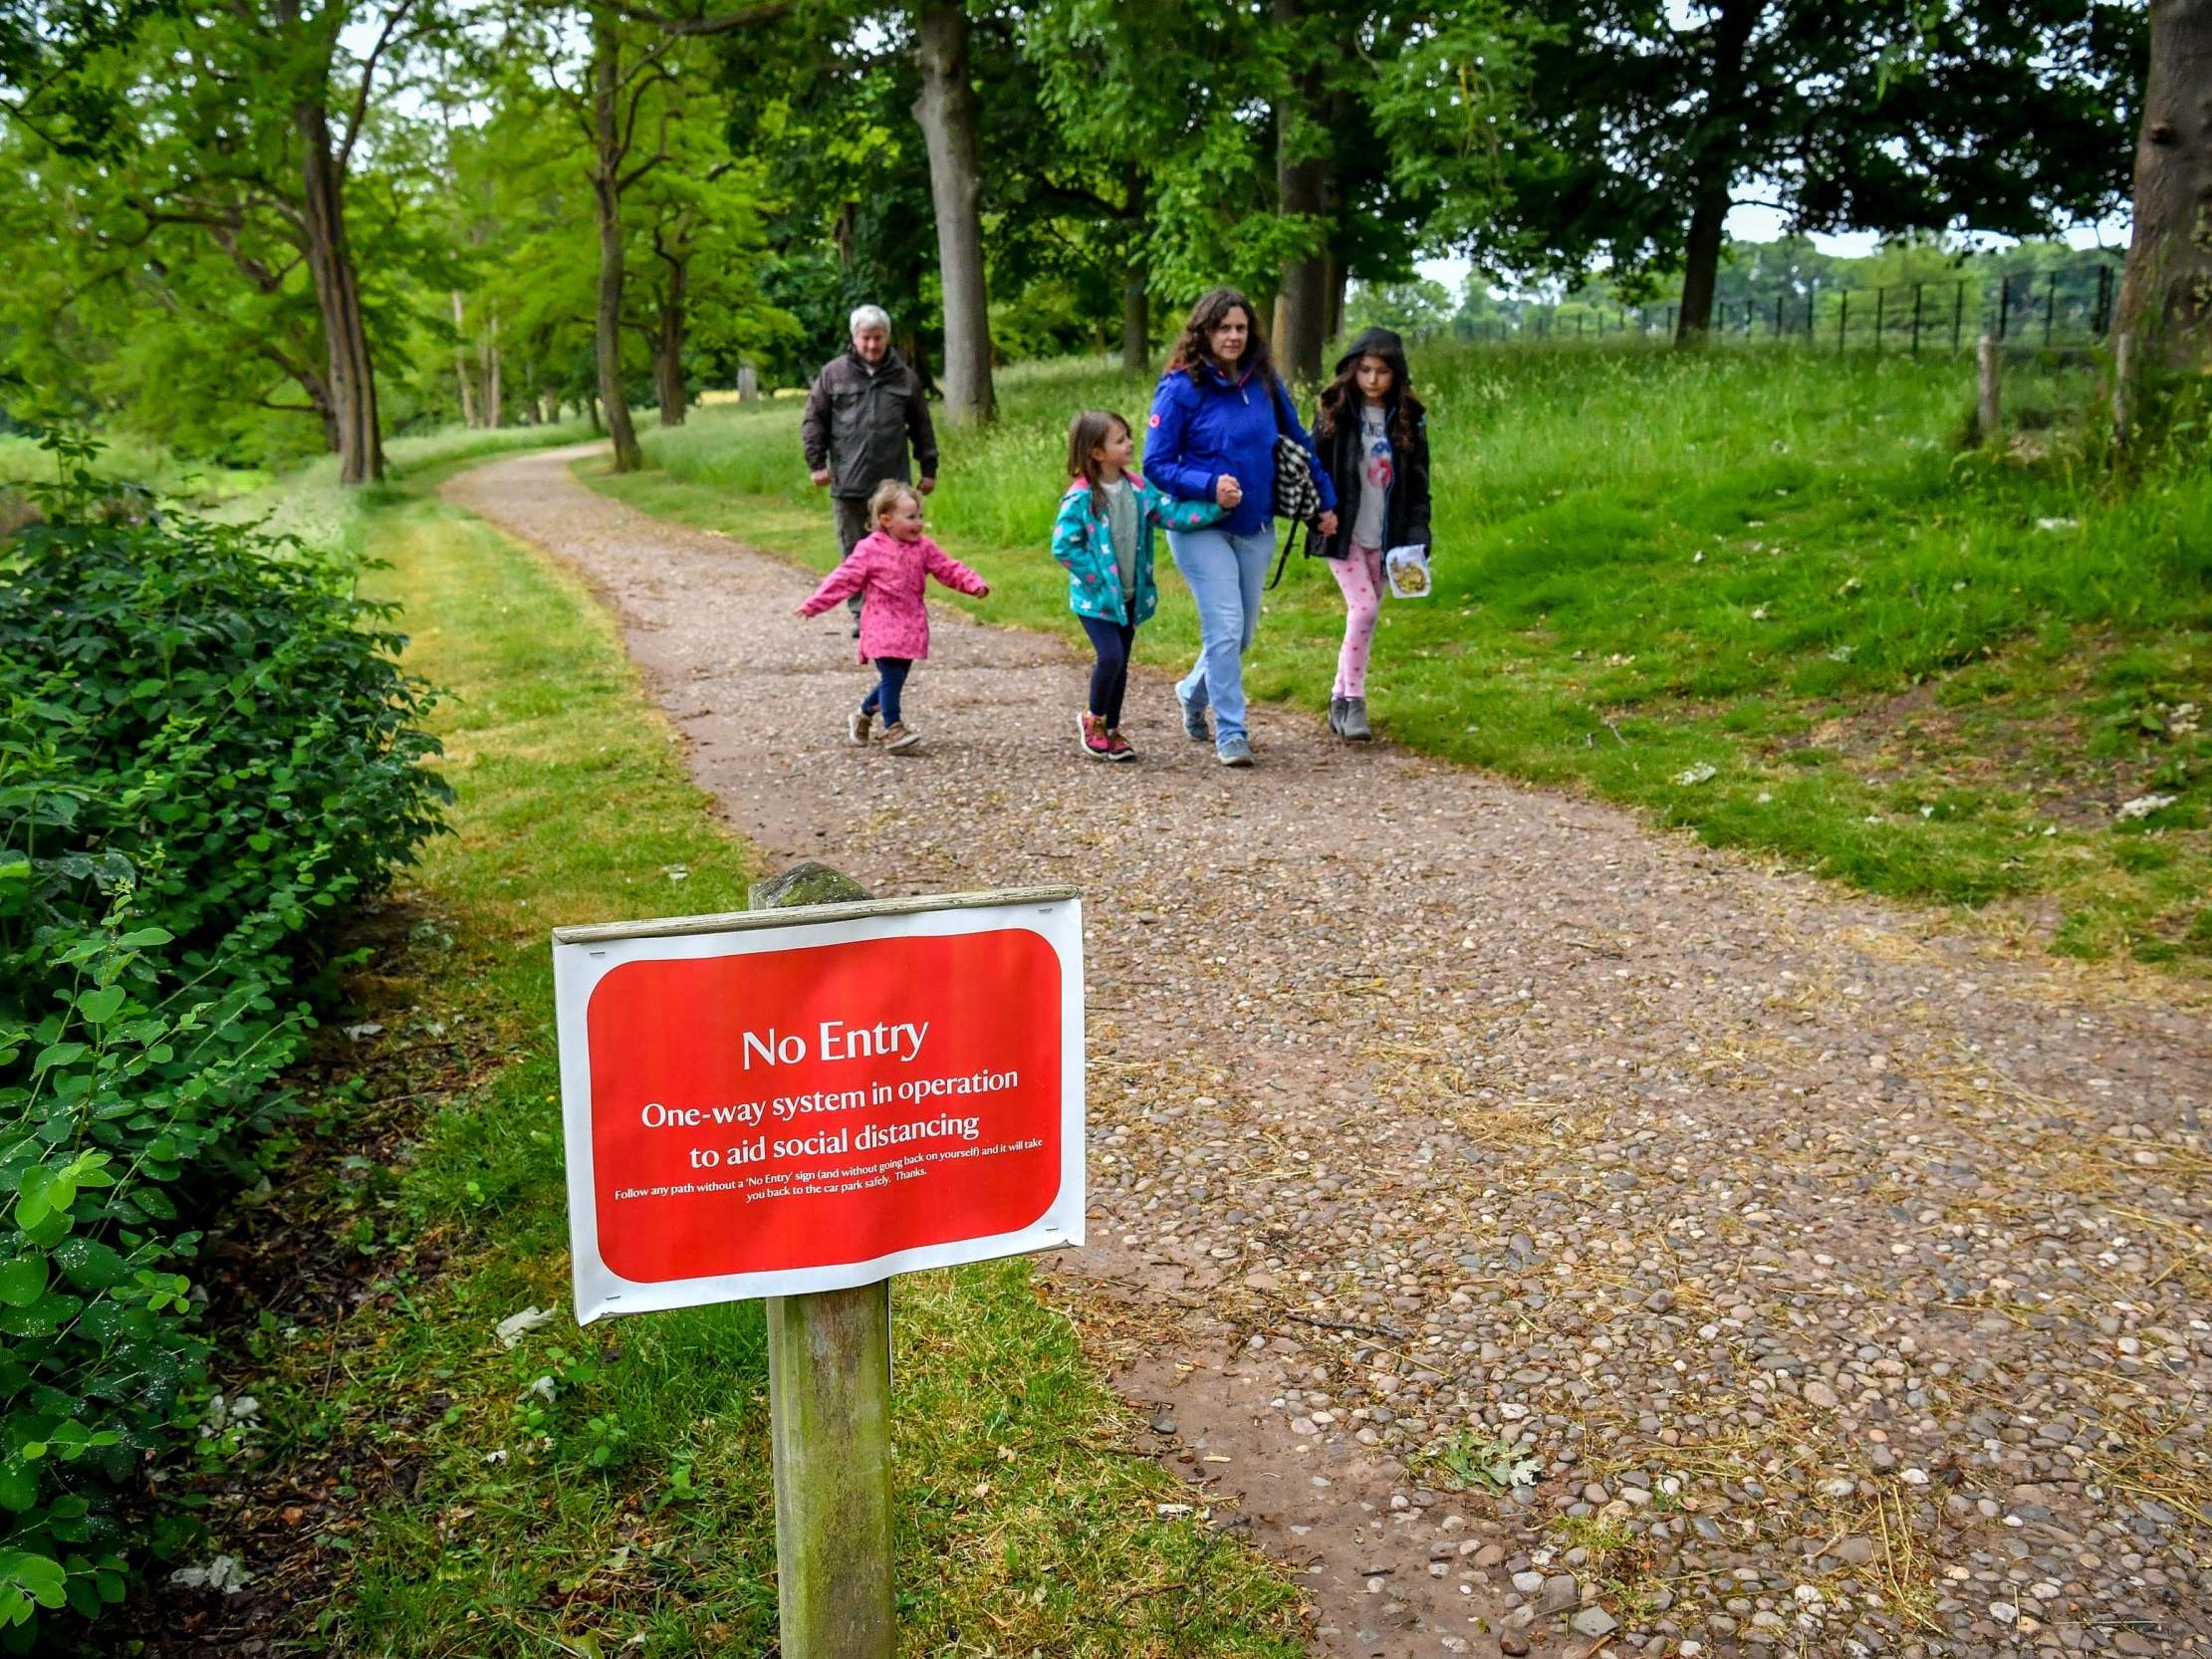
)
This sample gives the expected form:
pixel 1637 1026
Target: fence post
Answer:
pixel 1916 287
pixel 1958 314
pixel 2103 316
pixel 2050 307
pixel 1844 321
pixel 2004 305
pixel 830 1427
pixel 1881 305
pixel 1988 410
pixel 2123 391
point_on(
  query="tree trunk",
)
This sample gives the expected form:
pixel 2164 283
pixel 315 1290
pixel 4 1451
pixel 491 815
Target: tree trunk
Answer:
pixel 1302 192
pixel 668 337
pixel 1136 299
pixel 493 413
pixel 329 258
pixel 1716 169
pixel 1338 278
pixel 947 112
pixel 460 363
pixel 606 195
pixel 2165 292
pixel 1701 266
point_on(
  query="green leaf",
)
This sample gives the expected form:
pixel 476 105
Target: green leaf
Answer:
pixel 144 938
pixel 97 1007
pixel 19 1487
pixel 39 1576
pixel 58 1054
pixel 23 1281
pixel 90 1265
pixel 155 1201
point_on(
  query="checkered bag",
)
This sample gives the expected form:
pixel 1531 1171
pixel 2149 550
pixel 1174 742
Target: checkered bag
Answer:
pixel 1297 496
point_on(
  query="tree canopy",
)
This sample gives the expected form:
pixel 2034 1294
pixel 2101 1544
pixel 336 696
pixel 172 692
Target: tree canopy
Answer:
pixel 283 226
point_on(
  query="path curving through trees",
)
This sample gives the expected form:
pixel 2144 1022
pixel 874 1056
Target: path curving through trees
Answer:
pixel 1849 1280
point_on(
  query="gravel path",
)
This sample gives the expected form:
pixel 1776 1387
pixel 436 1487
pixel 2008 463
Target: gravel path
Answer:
pixel 1844 1283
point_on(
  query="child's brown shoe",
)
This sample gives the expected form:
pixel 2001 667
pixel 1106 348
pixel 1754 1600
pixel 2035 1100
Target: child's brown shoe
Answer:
pixel 856 726
pixel 899 735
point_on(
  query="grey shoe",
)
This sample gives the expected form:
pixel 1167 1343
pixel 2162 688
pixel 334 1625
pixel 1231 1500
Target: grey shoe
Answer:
pixel 1353 723
pixel 1194 721
pixel 1234 750
pixel 1337 715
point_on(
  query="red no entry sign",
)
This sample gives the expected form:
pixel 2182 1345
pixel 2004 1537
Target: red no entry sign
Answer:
pixel 793 1100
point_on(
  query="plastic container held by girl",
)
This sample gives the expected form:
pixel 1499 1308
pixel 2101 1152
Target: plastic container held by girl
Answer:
pixel 1407 569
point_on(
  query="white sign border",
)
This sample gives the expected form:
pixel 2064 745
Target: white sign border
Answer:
pixel 582 956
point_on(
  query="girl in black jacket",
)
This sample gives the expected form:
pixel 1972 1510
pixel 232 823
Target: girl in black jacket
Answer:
pixel 1372 435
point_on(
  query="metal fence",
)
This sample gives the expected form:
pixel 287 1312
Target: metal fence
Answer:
pixel 2070 307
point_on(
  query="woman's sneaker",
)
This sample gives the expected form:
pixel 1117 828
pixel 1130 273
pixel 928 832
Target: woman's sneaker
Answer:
pixel 1090 731
pixel 1118 747
pixel 1194 720
pixel 857 727
pixel 899 735
pixel 1234 750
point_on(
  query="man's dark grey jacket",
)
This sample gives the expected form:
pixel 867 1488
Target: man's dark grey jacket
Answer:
pixel 859 418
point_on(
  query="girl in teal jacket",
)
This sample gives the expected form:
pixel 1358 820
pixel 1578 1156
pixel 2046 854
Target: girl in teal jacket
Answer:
pixel 1104 535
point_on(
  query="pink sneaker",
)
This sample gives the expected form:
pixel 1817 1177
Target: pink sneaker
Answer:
pixel 1119 747
pixel 1091 730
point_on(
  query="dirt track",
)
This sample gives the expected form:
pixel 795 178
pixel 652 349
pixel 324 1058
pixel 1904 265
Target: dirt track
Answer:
pixel 1847 1283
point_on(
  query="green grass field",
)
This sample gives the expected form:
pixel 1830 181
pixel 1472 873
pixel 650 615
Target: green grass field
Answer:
pixel 590 1489
pixel 1768 596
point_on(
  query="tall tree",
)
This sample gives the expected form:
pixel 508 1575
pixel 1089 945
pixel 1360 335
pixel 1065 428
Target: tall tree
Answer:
pixel 1302 195
pixel 619 89
pixel 945 110
pixel 1890 116
pixel 234 142
pixel 2166 291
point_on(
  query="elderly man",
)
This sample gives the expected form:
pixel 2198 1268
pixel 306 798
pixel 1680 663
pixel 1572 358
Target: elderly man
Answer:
pixel 862 412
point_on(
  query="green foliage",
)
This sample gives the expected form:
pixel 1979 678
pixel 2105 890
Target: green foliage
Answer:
pixel 1889 116
pixel 206 752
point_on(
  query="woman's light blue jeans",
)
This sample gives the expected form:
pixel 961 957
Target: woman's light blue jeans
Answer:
pixel 1227 575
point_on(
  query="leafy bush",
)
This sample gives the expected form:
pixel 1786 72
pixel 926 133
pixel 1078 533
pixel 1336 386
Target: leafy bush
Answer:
pixel 207 750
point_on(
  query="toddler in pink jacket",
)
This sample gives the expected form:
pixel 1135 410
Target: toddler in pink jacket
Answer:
pixel 889 567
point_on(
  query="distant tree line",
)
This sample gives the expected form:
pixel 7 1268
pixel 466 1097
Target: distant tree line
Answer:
pixel 273 226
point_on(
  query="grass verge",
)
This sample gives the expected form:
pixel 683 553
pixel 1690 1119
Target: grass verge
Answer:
pixel 408 1485
pixel 1762 595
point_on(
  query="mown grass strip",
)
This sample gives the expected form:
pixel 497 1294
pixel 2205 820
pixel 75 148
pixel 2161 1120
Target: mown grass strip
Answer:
pixel 585 1489
pixel 1762 595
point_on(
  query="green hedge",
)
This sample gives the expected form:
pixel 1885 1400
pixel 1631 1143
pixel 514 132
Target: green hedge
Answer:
pixel 207 750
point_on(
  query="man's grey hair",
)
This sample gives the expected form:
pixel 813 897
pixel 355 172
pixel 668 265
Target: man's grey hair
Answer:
pixel 870 316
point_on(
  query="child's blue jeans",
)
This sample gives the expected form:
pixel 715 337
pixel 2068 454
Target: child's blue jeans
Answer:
pixel 882 697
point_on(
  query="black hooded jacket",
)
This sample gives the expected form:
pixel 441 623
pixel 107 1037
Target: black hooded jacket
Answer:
pixel 1405 513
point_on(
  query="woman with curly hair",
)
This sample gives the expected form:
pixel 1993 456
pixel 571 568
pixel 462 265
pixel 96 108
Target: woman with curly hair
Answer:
pixel 1211 437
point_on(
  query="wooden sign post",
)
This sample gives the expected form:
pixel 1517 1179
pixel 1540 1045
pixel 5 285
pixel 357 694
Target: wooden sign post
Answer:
pixel 796 1103
pixel 830 1425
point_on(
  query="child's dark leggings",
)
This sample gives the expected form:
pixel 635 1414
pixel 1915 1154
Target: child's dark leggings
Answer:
pixel 1110 677
pixel 882 696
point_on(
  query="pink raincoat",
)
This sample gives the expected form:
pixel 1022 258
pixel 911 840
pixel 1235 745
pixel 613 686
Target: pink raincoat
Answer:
pixel 890 576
